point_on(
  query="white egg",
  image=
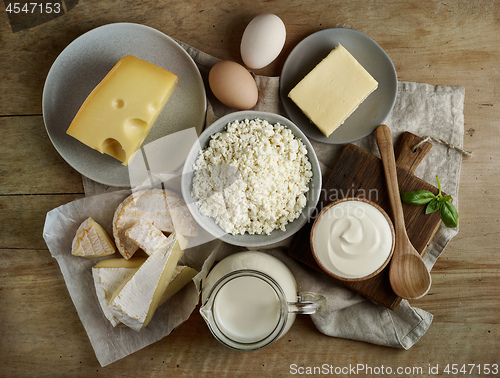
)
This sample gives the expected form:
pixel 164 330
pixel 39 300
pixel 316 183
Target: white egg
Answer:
pixel 262 40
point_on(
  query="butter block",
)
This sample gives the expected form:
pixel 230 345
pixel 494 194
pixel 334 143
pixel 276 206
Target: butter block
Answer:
pixel 119 113
pixel 333 90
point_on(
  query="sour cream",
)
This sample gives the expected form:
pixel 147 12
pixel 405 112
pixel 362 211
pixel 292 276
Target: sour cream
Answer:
pixel 352 239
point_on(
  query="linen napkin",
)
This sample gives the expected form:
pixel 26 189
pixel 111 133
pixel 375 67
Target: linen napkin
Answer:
pixel 420 108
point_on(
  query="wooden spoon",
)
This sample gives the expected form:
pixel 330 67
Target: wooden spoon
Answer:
pixel 408 274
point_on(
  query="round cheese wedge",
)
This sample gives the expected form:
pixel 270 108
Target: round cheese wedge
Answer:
pixel 162 208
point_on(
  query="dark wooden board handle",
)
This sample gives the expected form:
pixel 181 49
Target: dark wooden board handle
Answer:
pixel 407 156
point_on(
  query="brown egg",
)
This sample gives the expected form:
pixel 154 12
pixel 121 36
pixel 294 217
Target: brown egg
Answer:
pixel 233 85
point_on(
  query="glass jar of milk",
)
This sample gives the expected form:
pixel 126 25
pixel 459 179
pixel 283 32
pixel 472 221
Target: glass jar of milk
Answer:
pixel 250 299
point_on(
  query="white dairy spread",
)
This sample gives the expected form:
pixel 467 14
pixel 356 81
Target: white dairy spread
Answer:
pixel 252 177
pixel 352 239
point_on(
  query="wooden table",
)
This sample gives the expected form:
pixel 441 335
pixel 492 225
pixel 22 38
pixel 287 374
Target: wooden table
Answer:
pixel 436 42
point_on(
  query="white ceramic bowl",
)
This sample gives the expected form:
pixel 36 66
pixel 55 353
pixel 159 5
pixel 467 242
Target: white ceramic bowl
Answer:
pixel 247 240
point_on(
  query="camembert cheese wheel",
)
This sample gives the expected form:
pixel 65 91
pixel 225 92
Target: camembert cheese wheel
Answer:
pixel 163 209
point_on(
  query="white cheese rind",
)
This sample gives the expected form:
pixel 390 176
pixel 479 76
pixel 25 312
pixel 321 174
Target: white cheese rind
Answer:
pixel 333 90
pixel 135 302
pixel 146 236
pixel 109 275
pixel 91 241
pixel 152 205
pixel 106 282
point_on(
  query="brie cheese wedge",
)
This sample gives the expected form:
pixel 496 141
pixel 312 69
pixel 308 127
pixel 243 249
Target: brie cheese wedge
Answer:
pixel 91 240
pixel 108 276
pixel 135 302
pixel 182 276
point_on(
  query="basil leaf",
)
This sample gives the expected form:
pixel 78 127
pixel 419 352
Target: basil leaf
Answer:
pixel 419 197
pixel 447 198
pixel 449 214
pixel 433 206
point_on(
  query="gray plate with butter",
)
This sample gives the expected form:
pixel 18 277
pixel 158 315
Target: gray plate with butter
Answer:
pixel 372 112
pixel 247 240
pixel 85 62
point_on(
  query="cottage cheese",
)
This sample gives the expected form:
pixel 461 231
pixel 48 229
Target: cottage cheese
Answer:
pixel 252 177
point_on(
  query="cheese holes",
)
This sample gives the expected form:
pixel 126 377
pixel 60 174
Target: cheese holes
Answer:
pixel 112 147
pixel 153 107
pixel 118 103
pixel 135 126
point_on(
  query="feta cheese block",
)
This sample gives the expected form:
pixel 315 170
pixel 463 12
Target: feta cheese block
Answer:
pixel 118 114
pixel 333 90
pixel 135 302
pixel 91 240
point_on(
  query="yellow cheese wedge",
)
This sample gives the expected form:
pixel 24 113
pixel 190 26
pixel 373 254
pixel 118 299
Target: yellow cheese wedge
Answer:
pixel 333 90
pixel 119 113
pixel 135 302
pixel 92 241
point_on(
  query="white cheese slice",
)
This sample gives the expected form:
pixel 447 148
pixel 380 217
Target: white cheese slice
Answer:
pixel 146 236
pixel 135 302
pixel 182 276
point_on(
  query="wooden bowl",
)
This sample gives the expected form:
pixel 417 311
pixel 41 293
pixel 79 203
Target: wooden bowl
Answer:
pixel 315 249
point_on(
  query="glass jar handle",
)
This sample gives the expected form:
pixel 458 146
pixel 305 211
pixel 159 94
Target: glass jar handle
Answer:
pixel 307 303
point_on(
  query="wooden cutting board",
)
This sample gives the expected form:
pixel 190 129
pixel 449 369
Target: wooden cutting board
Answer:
pixel 358 173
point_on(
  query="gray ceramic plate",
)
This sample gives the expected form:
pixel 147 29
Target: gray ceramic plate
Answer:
pixel 248 240
pixel 85 62
pixel 372 112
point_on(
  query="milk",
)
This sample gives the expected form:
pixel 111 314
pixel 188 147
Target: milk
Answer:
pixel 248 308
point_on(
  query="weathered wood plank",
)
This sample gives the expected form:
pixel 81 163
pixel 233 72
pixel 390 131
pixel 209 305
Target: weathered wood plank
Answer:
pixel 23 217
pixel 429 40
pixel 29 163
